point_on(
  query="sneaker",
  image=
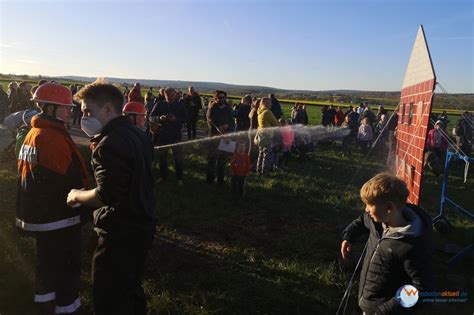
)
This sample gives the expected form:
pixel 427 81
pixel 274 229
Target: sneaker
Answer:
pixel 180 183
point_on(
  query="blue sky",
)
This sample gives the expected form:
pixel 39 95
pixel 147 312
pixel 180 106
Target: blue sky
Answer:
pixel 316 45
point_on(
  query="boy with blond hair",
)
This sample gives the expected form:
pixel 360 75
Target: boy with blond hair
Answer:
pixel 399 245
pixel 124 199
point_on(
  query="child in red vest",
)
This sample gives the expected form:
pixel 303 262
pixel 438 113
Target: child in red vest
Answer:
pixel 240 167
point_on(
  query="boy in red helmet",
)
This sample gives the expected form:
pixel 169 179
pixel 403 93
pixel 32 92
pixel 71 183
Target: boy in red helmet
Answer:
pixel 49 166
pixel 137 112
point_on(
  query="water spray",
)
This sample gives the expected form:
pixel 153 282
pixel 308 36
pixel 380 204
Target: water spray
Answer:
pixel 310 133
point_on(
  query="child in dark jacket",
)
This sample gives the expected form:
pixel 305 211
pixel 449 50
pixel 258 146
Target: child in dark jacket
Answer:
pixel 399 246
pixel 240 167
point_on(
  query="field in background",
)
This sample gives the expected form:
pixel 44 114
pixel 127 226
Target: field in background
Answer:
pixel 373 104
pixel 453 104
pixel 313 107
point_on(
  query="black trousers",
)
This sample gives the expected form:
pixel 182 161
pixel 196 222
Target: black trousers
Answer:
pixel 76 115
pixel 178 162
pixel 237 186
pixel 216 157
pixel 117 271
pixel 441 154
pixel 191 126
pixel 364 146
pixel 58 268
pixel 285 158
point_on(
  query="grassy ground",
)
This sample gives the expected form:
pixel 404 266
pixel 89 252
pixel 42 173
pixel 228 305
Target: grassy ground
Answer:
pixel 275 252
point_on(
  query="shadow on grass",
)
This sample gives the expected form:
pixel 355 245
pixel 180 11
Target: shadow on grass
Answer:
pixel 274 251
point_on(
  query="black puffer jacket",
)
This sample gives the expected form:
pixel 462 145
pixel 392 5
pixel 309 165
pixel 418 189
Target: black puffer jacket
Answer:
pixel 394 257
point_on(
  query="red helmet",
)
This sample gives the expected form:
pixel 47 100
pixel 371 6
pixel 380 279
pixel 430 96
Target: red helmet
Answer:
pixel 53 93
pixel 134 108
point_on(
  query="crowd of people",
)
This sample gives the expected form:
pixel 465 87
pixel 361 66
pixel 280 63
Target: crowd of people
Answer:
pixel 438 140
pixel 165 115
pixel 124 127
pixel 18 97
pixel 275 140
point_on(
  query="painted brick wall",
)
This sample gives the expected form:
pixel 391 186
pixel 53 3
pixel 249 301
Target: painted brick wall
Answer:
pixel 413 118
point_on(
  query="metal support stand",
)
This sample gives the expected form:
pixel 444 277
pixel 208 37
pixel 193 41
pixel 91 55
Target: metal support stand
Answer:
pixel 447 201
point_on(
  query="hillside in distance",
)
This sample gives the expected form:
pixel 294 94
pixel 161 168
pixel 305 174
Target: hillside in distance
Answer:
pixel 464 101
pixel 460 101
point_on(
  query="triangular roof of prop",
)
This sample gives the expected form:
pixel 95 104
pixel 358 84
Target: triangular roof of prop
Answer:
pixel 420 67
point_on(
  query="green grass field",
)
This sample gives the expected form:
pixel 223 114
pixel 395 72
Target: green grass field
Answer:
pixel 274 252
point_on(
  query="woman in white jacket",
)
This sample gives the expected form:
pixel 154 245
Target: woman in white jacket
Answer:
pixel 365 135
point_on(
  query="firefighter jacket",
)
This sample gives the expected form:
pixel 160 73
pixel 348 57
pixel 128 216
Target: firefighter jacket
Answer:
pixel 49 166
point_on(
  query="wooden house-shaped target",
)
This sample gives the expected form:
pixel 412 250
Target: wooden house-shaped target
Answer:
pixel 413 116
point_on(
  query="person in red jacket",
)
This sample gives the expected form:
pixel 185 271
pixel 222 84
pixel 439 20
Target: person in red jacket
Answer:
pixel 437 142
pixel 240 167
pixel 339 118
pixel 135 94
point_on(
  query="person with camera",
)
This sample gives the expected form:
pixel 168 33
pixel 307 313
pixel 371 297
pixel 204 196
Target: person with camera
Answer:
pixel 193 105
pixel 166 120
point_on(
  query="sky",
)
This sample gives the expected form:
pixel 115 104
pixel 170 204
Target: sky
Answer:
pixel 306 45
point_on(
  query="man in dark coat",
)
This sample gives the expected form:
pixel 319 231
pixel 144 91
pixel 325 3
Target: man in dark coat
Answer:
pixel 193 106
pixel 276 107
pixel 220 121
pixel 242 119
pixel 169 115
pixel 4 103
pixel 22 98
pixel 463 133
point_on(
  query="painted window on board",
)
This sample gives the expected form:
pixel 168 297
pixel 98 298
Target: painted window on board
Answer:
pixel 403 114
pixel 410 114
